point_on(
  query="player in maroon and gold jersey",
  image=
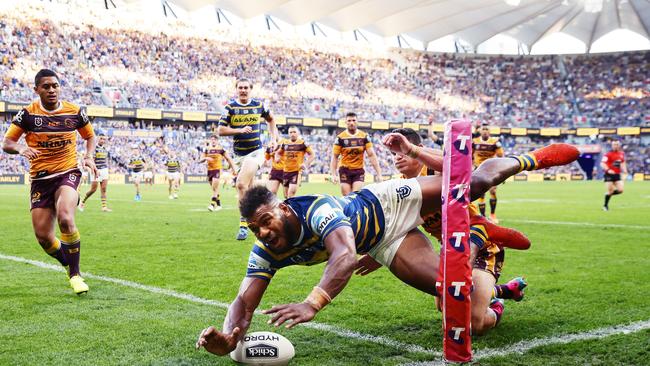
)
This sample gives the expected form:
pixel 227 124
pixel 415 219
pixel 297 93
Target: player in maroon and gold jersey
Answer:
pixel 50 127
pixel 276 175
pixel 293 153
pixel 351 145
pixel 214 155
pixel 613 163
pixel 486 147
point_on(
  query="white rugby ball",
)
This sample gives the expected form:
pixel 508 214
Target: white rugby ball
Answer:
pixel 263 348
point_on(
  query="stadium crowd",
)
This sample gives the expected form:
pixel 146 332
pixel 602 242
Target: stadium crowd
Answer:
pixel 125 67
pixel 188 143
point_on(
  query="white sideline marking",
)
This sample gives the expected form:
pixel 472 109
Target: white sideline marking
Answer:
pixel 525 346
pixel 342 332
pixel 571 223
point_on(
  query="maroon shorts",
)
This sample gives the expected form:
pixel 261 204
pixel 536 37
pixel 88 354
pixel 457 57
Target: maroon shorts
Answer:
pixel 43 191
pixel 213 174
pixel 350 176
pixel 490 259
pixel 276 174
pixel 290 178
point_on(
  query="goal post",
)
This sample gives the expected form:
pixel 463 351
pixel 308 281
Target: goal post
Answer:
pixel 455 275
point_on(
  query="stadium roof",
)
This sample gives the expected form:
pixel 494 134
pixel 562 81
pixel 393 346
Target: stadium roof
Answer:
pixel 473 21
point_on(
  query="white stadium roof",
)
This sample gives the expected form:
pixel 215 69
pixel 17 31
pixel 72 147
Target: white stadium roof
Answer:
pixel 473 21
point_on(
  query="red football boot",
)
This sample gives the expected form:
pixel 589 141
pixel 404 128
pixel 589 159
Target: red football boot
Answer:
pixel 554 155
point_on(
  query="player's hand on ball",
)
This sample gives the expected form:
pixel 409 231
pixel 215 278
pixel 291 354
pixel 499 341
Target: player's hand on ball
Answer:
pixel 216 342
pixel 292 313
pixel 397 143
pixel 365 265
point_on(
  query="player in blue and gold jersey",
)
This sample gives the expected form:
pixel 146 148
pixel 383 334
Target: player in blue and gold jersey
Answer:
pixel 137 165
pixel 242 120
pixel 173 166
pixel 486 147
pixel 50 127
pixel 101 180
pixel 380 220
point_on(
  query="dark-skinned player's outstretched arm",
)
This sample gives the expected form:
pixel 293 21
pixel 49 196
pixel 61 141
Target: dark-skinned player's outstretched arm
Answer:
pixel 338 270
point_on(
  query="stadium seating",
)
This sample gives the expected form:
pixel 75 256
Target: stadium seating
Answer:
pixel 128 67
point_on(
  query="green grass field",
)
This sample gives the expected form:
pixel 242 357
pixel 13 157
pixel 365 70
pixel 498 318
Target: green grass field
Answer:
pixel 583 275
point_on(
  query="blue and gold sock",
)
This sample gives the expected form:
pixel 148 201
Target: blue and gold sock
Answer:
pixel 526 161
pixel 104 204
pixel 71 244
pixel 215 201
pixel 242 222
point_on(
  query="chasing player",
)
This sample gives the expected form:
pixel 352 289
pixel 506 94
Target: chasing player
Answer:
pixel 214 155
pixel 242 120
pixel 137 166
pixel 50 127
pixel 293 151
pixel 276 174
pixel 378 220
pixel 351 145
pixel 613 163
pixel 173 166
pixel 486 147
pixel 101 180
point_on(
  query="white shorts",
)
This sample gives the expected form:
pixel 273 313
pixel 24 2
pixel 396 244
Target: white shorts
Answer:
pixel 174 175
pixel 102 175
pixel 148 175
pixel 401 201
pixel 256 157
pixel 137 175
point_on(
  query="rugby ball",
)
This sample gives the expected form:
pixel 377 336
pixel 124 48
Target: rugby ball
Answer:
pixel 263 348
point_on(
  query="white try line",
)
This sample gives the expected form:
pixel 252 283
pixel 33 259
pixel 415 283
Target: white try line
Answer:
pixel 525 346
pixel 342 332
pixel 571 223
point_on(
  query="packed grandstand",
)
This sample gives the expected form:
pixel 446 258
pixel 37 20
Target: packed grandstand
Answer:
pixel 125 65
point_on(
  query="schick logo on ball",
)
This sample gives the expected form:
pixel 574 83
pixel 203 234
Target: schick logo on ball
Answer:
pixel 461 144
pixel 454 335
pixel 456 241
pixel 454 290
pixel 262 351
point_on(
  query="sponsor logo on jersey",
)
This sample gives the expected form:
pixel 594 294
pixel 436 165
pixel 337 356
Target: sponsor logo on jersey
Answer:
pixel 54 144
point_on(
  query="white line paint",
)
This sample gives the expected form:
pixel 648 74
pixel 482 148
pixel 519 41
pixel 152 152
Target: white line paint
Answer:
pixel 342 332
pixel 525 346
pixel 519 347
pixel 571 223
